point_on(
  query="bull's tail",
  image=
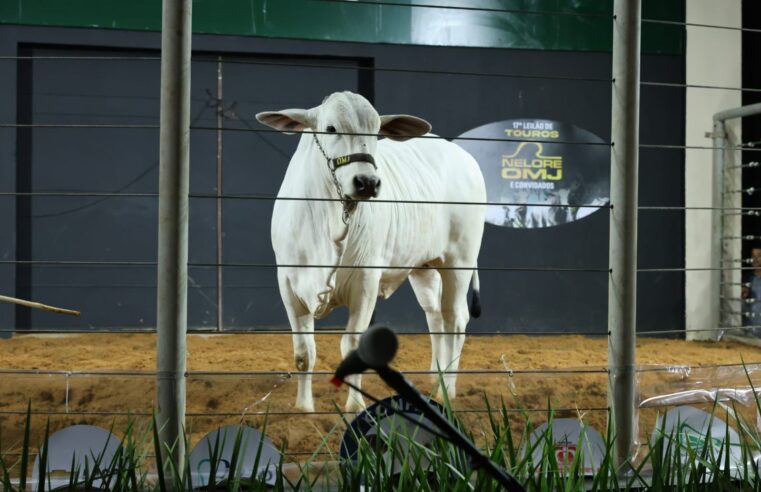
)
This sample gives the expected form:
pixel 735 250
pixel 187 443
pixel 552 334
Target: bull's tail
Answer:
pixel 475 297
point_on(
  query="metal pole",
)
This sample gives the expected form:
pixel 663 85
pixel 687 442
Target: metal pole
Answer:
pixel 717 200
pixel 220 124
pixel 622 284
pixel 741 112
pixel 173 227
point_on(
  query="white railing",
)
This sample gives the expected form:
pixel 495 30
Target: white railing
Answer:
pixel 729 309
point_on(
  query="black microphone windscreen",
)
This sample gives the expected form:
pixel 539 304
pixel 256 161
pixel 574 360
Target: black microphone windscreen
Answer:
pixel 352 364
pixel 377 346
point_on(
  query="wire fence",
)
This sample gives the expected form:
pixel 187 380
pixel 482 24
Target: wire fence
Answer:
pixel 752 211
pixel 288 65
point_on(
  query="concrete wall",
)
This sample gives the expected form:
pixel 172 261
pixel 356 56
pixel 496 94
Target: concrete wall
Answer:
pixel 714 57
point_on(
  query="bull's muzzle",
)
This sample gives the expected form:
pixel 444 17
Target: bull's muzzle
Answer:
pixel 366 186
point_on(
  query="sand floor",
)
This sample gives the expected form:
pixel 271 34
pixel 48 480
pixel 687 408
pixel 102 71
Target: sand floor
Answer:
pixel 241 397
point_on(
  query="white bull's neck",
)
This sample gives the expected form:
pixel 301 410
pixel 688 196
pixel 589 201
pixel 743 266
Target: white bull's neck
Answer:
pixel 315 223
pixel 309 177
pixel 308 173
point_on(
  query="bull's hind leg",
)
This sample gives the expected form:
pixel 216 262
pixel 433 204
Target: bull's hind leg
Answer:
pixel 454 310
pixel 427 287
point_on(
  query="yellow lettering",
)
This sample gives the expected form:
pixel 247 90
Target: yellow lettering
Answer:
pixel 534 174
pixel 555 177
pixel 511 173
pixel 518 132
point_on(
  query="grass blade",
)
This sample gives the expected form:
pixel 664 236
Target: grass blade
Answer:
pixel 25 449
pixel 157 451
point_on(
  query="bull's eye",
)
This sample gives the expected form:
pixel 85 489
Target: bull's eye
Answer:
pixel 331 129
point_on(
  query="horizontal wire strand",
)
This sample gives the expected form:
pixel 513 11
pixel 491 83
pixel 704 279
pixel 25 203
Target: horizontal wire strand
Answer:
pixel 264 197
pixel 277 198
pixel 697 24
pixel 235 61
pixel 415 71
pixel 698 86
pixel 743 166
pixel 268 130
pixel 687 147
pixel 106 126
pixel 435 137
pixel 263 413
pixel 233 331
pixel 286 375
pixel 152 264
pixel 289 374
pixel 340 332
pixel 604 15
pixel 480 268
pixel 387 3
pixel 691 269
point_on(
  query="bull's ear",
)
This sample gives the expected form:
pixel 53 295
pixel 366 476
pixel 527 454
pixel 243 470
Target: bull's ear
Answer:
pixel 288 120
pixel 402 127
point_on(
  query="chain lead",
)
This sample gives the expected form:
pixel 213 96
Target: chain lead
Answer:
pixel 348 205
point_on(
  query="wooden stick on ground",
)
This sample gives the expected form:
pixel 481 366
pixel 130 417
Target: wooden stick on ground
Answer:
pixel 37 305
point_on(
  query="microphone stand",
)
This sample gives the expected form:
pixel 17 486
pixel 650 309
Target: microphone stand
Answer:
pixel 396 381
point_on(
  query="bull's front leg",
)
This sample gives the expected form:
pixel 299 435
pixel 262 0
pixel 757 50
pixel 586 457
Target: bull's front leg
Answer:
pixel 361 307
pixel 304 356
pixel 304 348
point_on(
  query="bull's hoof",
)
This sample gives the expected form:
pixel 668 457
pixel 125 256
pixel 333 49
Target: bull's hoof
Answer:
pixel 435 377
pixel 450 394
pixel 304 406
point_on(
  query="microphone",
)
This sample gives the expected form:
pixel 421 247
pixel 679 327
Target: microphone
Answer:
pixel 377 347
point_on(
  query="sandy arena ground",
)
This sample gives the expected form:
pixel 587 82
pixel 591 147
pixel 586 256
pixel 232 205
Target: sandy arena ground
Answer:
pixel 244 397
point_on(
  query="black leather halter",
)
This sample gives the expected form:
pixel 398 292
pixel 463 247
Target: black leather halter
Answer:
pixel 334 163
pixel 348 159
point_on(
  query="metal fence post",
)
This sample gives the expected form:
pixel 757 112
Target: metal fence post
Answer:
pixel 622 284
pixel 717 229
pixel 173 226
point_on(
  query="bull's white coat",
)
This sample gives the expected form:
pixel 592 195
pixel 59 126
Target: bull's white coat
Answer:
pixel 379 234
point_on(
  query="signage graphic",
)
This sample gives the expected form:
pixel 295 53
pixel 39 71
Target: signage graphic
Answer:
pixel 691 430
pixel 539 173
pixel 251 443
pixel 570 442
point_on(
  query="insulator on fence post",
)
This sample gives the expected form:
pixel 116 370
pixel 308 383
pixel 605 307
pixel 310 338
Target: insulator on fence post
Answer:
pixel 622 285
pixel 173 229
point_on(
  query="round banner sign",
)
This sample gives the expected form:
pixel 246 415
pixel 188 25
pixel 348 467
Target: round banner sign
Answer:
pixel 539 173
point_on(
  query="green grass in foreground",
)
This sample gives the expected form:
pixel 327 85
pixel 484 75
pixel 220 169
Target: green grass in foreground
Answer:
pixel 396 462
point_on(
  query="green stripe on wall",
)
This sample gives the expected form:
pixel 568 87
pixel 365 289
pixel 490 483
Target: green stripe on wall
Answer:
pixel 364 22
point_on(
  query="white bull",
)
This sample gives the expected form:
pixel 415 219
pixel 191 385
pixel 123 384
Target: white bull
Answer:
pixel 434 245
